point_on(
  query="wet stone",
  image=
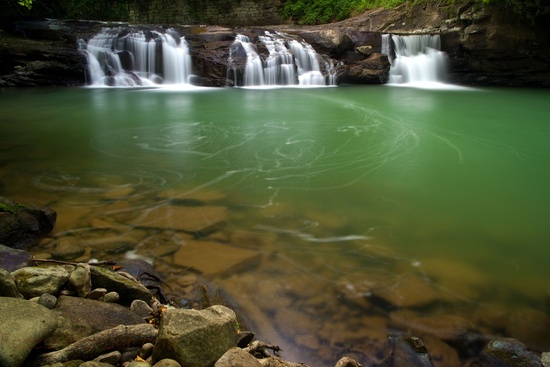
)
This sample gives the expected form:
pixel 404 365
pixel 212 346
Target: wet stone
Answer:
pixel 47 300
pixel 35 281
pixel 141 308
pixel 80 279
pixel 8 288
pixel 97 293
pixel 111 297
pixel 146 350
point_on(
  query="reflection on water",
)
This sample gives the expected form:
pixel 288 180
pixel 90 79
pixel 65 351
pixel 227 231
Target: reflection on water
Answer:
pixel 328 218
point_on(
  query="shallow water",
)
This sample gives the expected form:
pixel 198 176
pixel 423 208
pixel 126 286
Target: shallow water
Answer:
pixel 343 207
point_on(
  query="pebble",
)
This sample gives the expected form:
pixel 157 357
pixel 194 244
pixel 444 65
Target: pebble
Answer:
pixel 146 350
pixel 141 308
pixel 111 297
pixel 47 300
pixel 97 293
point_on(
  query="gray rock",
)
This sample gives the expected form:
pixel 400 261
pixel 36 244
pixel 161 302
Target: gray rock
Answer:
pixel 508 352
pixel 81 317
pixel 167 362
pixel 546 359
pixel 97 293
pixel 8 288
pixel 128 289
pixel 237 357
pixel 81 280
pixel 34 281
pixel 111 297
pixel 12 259
pixel 141 308
pixel 22 226
pixel 196 338
pixel 47 300
pixel 111 358
pixel 24 325
pixel 146 350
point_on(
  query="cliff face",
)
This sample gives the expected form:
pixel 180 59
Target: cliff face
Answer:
pixel 485 45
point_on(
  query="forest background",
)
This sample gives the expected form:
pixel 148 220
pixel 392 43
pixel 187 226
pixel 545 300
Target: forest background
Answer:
pixel 298 11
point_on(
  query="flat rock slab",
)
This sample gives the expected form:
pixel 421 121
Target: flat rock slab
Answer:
pixel 194 219
pixel 24 325
pixel 214 258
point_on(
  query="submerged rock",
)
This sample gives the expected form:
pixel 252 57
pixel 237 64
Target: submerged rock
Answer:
pixel 24 325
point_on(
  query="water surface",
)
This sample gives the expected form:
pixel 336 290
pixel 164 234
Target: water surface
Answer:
pixel 348 206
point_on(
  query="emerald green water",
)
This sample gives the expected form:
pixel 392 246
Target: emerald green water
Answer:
pixel 356 188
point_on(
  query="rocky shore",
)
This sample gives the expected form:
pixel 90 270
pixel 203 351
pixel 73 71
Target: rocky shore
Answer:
pixel 104 313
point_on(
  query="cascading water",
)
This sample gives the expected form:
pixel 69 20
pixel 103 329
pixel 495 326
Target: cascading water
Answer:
pixel 290 62
pixel 417 59
pixel 138 58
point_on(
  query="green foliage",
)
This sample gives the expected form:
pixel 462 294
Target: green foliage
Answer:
pixel 25 3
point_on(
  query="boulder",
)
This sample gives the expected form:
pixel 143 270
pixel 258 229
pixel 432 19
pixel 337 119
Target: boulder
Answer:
pixel 81 317
pixel 24 325
pixel 196 338
pixel 22 226
pixel 33 281
pixel 80 279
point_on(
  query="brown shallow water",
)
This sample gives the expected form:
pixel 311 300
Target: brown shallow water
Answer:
pixel 327 218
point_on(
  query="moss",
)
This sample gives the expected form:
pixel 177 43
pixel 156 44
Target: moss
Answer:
pixel 11 208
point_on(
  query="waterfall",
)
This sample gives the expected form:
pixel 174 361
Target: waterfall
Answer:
pixel 138 58
pixel 289 62
pixel 418 59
